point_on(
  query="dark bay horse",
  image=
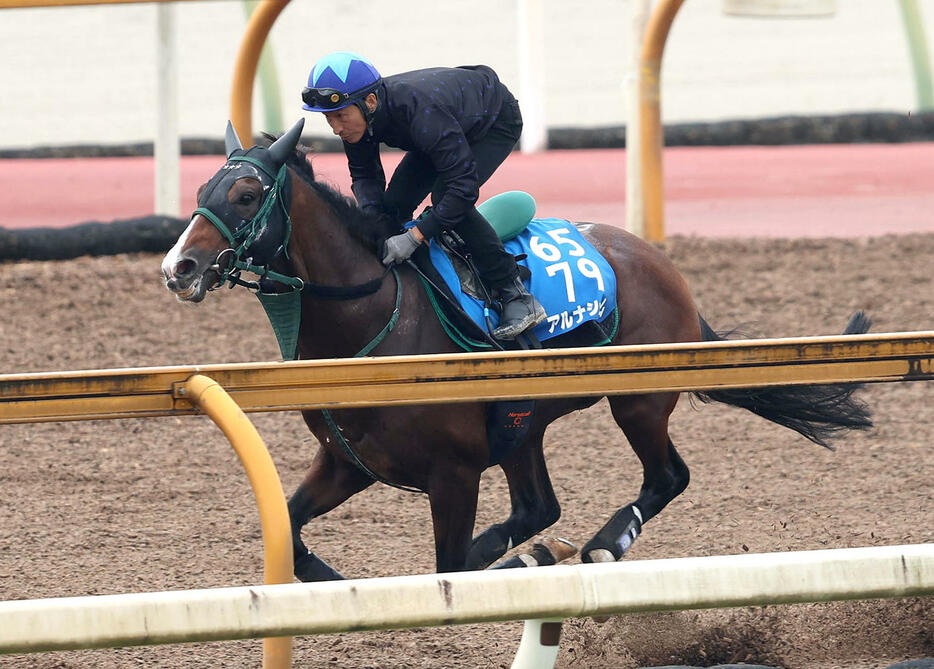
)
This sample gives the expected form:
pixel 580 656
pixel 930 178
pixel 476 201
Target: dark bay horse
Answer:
pixel 265 210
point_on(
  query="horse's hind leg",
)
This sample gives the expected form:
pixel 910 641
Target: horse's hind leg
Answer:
pixel 329 482
pixel 644 420
pixel 534 505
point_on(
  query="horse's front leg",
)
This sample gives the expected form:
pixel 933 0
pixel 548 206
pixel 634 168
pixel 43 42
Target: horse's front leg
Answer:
pixel 534 507
pixel 452 494
pixel 329 482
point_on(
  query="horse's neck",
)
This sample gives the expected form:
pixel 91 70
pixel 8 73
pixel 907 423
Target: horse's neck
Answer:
pixel 322 248
pixel 323 251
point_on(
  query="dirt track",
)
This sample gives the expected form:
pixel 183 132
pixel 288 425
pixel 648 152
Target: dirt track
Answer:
pixel 141 505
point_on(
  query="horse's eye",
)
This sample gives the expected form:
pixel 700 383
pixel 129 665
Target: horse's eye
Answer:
pixel 246 198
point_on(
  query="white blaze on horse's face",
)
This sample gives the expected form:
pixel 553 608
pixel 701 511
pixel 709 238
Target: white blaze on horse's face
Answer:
pixel 189 267
pixel 171 261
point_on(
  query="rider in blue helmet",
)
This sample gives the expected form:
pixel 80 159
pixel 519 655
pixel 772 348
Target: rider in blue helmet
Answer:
pixel 457 125
pixel 338 80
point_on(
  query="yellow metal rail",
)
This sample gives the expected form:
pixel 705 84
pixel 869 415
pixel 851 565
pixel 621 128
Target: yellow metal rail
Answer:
pixel 467 377
pixel 18 4
pixel 651 135
pixel 267 488
pixel 241 92
pixel 118 396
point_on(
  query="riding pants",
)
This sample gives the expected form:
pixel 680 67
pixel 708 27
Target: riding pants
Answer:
pixel 415 177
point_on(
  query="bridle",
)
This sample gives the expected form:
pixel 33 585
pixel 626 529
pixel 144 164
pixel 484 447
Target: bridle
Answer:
pixel 272 218
pixel 231 262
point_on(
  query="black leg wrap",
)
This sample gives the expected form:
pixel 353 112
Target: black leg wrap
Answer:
pixel 310 568
pixel 487 547
pixel 545 553
pixel 515 562
pixel 539 556
pixel 617 536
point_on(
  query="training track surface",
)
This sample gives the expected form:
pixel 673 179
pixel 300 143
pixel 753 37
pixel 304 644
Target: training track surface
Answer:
pixel 103 507
pixel 791 191
pixel 138 505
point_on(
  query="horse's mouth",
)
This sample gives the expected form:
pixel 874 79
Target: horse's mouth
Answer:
pixel 191 293
pixel 196 291
pixel 187 294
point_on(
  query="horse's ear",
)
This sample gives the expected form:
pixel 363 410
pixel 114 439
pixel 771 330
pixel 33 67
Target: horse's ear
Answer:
pixel 231 141
pixel 285 145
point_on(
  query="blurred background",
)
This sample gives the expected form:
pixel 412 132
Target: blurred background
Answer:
pixel 87 75
pixel 846 82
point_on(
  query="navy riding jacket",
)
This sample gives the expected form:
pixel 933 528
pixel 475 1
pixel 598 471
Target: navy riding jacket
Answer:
pixel 437 112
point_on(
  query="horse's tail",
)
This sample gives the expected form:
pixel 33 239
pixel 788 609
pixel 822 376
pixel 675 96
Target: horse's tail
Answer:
pixel 819 412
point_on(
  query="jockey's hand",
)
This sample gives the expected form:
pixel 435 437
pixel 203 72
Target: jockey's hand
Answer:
pixel 399 248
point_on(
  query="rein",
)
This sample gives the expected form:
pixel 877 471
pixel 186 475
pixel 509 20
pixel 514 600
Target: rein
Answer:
pixel 329 419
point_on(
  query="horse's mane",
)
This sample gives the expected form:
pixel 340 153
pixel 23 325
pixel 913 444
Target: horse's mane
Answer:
pixel 370 230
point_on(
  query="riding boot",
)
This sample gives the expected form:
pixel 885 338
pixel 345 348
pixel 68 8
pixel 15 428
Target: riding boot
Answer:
pixel 521 310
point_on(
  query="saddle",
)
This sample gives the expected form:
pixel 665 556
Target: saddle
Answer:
pixel 508 214
pixel 463 302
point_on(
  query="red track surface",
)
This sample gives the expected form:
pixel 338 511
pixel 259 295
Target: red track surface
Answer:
pixel 794 191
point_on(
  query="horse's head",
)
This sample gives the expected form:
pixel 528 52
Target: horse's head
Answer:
pixel 242 218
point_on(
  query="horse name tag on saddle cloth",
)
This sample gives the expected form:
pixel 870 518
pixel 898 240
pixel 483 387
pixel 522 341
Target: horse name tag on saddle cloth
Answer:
pixel 570 279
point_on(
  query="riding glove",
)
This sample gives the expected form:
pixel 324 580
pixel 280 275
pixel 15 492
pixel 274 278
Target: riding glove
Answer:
pixel 398 248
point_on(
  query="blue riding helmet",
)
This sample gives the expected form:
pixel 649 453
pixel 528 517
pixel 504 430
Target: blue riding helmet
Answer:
pixel 339 80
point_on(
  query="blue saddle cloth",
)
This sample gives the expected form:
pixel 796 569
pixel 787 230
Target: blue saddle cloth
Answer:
pixel 570 279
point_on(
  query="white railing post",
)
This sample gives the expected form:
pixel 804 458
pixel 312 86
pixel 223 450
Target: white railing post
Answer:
pixel 166 150
pixel 530 21
pixel 638 18
pixel 538 648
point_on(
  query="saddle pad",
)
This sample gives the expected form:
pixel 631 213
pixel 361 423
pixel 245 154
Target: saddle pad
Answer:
pixel 573 282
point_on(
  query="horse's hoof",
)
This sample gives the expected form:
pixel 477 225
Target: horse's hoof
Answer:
pixel 544 553
pixel 486 549
pixel 600 555
pixel 559 548
pixel 311 569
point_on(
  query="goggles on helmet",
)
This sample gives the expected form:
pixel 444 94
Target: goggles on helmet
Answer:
pixel 331 98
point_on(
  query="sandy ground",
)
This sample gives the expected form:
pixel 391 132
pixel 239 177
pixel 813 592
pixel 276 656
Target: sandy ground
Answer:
pixel 162 504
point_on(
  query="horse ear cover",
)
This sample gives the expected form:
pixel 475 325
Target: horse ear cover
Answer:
pixel 282 147
pixel 231 141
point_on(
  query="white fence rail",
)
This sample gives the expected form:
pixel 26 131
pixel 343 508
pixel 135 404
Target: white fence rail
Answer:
pixel 466 597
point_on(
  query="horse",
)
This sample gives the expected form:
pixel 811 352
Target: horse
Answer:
pixel 265 212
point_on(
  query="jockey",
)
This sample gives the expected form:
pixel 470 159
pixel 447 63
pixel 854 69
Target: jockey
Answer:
pixel 457 125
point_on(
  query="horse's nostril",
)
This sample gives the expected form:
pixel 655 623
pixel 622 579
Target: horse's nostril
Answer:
pixel 185 267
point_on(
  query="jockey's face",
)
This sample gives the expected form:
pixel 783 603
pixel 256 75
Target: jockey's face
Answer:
pixel 348 123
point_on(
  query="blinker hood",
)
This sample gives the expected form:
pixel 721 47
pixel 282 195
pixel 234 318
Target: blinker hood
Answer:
pixel 270 233
pixel 262 164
